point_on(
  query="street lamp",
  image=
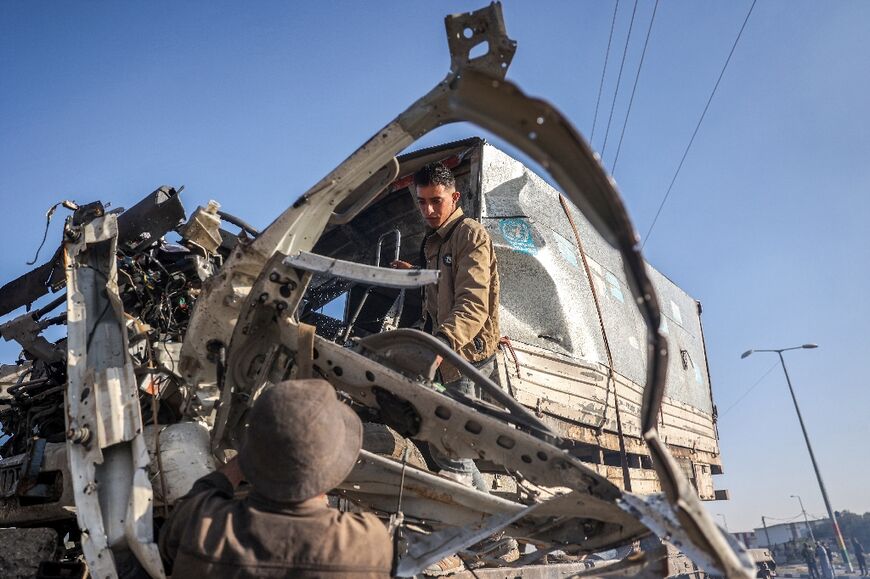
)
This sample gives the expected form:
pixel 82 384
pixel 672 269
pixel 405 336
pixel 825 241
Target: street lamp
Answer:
pixel 831 515
pixel 766 534
pixel 803 510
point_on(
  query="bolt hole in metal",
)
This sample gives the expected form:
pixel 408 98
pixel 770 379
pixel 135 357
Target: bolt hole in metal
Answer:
pixel 468 32
pixel 369 376
pixel 526 459
pixel 542 456
pixel 442 413
pixel 473 427
pixel 505 442
pixel 478 50
pixel 338 371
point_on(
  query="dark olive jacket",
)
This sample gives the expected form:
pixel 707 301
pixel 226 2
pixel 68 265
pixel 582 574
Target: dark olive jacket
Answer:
pixel 211 534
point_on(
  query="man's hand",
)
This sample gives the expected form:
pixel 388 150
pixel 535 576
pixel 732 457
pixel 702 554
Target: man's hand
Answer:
pixel 233 472
pixel 399 264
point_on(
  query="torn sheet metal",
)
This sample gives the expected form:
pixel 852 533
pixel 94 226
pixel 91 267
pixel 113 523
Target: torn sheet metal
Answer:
pixel 26 330
pixel 108 458
pixel 141 225
pixel 31 286
pixel 474 90
pixel 150 219
pixel 361 273
pixel 244 334
pixel 435 546
pixel 657 514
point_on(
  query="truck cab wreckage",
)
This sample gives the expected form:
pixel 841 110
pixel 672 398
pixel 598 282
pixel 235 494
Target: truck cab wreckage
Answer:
pixel 597 438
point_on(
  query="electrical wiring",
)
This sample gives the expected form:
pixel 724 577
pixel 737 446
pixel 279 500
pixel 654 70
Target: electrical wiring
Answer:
pixel 603 71
pixel 634 87
pixel 697 127
pixel 619 78
pixel 750 389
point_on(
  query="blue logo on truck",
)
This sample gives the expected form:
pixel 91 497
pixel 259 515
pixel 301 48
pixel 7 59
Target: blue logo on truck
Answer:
pixel 518 234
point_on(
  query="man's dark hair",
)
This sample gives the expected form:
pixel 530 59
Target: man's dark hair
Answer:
pixel 434 174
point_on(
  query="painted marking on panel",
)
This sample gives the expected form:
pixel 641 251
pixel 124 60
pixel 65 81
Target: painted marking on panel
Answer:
pixel 518 234
pixel 568 251
pixel 615 290
pixel 675 310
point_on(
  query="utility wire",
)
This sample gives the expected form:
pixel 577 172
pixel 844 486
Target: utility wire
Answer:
pixel 698 126
pixel 619 78
pixel 751 388
pixel 634 88
pixel 785 519
pixel 603 71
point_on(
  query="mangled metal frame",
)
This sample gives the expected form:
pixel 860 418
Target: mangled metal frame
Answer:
pixel 106 448
pixel 243 333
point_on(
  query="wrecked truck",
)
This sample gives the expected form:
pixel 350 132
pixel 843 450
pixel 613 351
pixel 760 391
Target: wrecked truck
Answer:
pixel 600 435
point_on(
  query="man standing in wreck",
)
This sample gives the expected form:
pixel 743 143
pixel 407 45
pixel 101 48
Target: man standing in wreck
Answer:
pixel 462 309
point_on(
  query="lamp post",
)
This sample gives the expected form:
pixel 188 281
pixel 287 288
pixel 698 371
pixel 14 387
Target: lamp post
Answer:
pixel 804 511
pixel 837 534
pixel 766 534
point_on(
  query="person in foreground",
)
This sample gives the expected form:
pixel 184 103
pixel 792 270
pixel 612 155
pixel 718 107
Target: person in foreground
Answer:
pixel 300 443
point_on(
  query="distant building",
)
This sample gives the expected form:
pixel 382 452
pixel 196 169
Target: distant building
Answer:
pixel 781 533
pixel 746 538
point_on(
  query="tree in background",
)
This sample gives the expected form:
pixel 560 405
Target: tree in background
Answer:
pixel 851 525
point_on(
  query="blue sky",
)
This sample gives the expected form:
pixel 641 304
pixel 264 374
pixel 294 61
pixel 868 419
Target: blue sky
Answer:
pixel 251 104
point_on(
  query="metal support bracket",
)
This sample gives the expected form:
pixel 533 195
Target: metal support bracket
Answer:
pixel 361 273
pixel 108 456
pixel 432 548
pixel 473 91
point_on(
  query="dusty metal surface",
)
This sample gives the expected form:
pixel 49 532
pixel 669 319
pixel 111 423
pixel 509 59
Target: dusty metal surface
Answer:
pixel 23 551
pixel 547 305
pixel 244 333
pixel 498 106
pixel 107 454
pixel 523 214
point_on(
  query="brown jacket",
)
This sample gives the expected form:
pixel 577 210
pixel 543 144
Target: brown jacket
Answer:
pixel 463 306
pixel 211 534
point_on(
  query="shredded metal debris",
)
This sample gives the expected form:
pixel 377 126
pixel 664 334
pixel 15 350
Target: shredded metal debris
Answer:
pixel 168 344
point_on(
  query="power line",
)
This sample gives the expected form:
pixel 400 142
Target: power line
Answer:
pixel 619 78
pixel 698 126
pixel 785 519
pixel 603 71
pixel 634 88
pixel 751 388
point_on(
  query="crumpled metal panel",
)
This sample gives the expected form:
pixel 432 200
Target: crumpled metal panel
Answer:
pixel 475 91
pixel 534 243
pixel 141 225
pixel 108 458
